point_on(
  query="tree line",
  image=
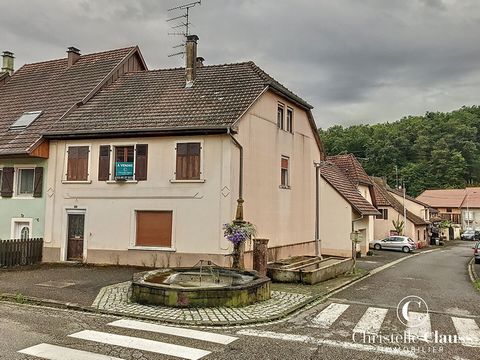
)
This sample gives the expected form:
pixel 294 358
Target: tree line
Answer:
pixel 434 151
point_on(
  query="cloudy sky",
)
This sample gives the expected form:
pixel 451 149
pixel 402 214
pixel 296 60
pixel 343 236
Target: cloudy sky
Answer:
pixel 356 61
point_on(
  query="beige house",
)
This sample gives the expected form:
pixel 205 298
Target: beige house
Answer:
pixel 391 207
pixel 343 212
pixel 148 170
pixel 355 172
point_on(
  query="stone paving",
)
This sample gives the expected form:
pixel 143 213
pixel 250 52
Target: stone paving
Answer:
pixel 116 299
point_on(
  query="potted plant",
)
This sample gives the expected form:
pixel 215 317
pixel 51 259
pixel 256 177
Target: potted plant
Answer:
pixel 237 232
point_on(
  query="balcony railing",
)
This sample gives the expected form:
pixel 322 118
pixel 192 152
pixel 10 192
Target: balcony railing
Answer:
pixel 453 218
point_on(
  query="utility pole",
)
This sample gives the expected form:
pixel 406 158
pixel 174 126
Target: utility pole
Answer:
pixel 404 208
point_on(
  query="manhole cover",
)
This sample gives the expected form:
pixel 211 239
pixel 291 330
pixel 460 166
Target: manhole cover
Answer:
pixel 57 284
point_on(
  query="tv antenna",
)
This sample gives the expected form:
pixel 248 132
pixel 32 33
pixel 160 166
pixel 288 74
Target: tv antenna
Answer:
pixel 181 21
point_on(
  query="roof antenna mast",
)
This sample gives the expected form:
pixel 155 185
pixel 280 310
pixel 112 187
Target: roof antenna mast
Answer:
pixel 179 22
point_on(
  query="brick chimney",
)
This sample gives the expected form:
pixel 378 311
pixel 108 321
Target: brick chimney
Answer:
pixel 7 64
pixel 73 55
pixel 191 59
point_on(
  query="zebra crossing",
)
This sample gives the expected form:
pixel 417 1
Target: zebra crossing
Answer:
pixel 55 352
pixel 371 322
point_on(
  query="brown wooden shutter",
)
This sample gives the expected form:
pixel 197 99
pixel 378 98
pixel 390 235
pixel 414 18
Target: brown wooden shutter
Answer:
pixel 141 162
pixel 104 163
pixel 72 163
pixel 77 164
pixel 82 174
pixel 154 228
pixel 7 182
pixel 182 161
pixel 194 161
pixel 38 182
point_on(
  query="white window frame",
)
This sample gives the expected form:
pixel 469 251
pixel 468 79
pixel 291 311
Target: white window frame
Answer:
pixel 281 126
pixel 16 181
pixel 133 232
pixel 21 220
pixel 202 172
pixel 288 186
pixel 89 167
pixel 289 108
pixel 111 178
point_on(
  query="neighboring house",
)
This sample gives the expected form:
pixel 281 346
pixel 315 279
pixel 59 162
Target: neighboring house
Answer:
pixel 148 170
pixel 343 212
pixel 355 172
pixel 392 209
pixel 459 206
pixel 33 98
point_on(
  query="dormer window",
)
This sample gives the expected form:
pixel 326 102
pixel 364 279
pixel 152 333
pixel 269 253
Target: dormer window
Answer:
pixel 25 120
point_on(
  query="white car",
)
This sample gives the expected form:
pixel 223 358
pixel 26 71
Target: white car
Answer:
pixel 402 243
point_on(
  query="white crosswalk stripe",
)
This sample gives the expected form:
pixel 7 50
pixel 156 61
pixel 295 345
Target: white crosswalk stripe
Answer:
pixel 170 330
pixel 329 315
pixel 468 331
pixel 371 321
pixel 158 347
pixel 419 326
pixel 52 352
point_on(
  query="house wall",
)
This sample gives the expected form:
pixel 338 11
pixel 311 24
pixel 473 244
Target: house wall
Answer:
pixel 28 209
pixel 369 221
pixel 471 219
pixel 284 216
pixel 364 227
pixel 413 207
pixel 199 208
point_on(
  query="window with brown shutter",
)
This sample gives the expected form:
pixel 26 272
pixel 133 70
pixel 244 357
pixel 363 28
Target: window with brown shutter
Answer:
pixel 154 228
pixel 104 163
pixel 77 163
pixel 284 172
pixel 7 182
pixel 141 162
pixel 38 182
pixel 124 162
pixel 188 161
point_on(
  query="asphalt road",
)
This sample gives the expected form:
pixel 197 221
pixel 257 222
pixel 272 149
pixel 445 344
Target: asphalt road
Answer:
pixel 325 331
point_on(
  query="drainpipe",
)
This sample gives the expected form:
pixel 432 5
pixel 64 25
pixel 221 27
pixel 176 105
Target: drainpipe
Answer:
pixel 317 210
pixel 239 214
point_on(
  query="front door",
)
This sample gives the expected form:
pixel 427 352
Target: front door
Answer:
pixel 76 229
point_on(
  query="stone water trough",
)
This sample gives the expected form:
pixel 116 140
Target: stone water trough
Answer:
pixel 308 269
pixel 203 286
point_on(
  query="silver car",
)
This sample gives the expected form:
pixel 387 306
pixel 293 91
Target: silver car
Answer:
pixel 402 243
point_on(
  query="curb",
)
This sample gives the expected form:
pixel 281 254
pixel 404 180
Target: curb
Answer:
pixel 471 270
pixel 28 300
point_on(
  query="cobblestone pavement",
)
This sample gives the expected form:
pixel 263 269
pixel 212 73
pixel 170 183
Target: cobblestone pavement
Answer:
pixel 115 299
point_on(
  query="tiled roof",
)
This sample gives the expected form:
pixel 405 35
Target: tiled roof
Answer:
pixel 349 164
pixel 472 198
pixel 52 88
pixel 158 100
pixel 384 198
pixel 444 198
pixel 337 179
pixel 408 197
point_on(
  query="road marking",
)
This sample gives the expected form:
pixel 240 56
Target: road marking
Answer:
pixel 175 331
pixel 329 315
pixel 371 321
pixel 468 331
pixel 52 352
pixel 422 332
pixel 342 344
pixel 141 344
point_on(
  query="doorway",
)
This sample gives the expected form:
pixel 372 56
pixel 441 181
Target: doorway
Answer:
pixel 75 237
pixel 22 229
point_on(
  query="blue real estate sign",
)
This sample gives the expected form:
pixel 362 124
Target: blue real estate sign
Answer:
pixel 123 170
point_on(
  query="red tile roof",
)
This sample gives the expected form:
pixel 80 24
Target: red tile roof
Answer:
pixel 52 88
pixel 338 180
pixel 352 168
pixel 384 198
pixel 444 198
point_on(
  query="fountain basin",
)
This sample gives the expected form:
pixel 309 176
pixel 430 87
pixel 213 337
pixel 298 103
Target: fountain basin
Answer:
pixel 196 287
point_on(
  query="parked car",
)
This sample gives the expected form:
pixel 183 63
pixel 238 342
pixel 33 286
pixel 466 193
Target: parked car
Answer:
pixel 402 243
pixel 476 252
pixel 471 235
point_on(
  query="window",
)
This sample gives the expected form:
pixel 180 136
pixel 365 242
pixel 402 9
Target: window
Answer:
pixel 26 181
pixel 280 116
pixel 284 176
pixel 449 210
pixel 77 163
pixel 290 120
pixel 25 120
pixel 124 162
pixel 383 214
pixel 188 161
pixel 1 177
pixel 154 229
